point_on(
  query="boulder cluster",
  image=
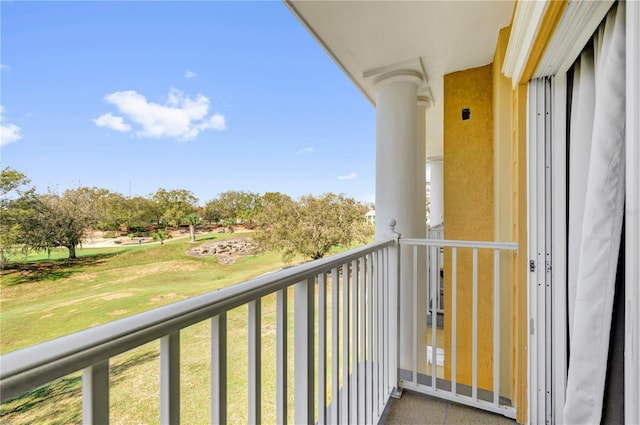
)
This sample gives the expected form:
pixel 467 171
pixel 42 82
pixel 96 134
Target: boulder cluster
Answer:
pixel 226 251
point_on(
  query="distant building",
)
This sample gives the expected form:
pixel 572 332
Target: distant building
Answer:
pixel 370 217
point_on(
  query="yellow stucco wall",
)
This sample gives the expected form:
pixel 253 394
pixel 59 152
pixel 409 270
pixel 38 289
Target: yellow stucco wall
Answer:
pixel 469 214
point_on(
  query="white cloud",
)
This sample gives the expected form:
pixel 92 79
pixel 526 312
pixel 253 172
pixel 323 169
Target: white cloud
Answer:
pixel 181 117
pixel 9 133
pixel 112 122
pixel 308 149
pixel 351 175
pixel 189 74
pixel 5 67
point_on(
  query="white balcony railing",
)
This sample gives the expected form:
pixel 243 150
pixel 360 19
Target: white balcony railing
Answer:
pixel 426 270
pixel 347 339
pixel 355 368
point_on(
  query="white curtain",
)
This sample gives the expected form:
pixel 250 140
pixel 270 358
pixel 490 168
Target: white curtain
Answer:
pixel 596 204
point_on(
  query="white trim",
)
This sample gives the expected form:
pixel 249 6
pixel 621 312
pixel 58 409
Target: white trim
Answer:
pixel 577 25
pixel 539 151
pixel 526 22
pixel 559 241
pixel 532 278
pixel 632 217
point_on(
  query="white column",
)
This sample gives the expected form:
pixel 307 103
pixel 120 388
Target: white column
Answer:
pixel 437 191
pixel 400 186
pixel 400 171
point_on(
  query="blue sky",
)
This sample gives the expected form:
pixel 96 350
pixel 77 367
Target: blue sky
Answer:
pixel 204 96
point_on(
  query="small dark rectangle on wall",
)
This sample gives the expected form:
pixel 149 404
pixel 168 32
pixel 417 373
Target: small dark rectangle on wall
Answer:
pixel 466 114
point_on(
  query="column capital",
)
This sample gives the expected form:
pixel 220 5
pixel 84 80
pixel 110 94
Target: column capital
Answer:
pixel 401 76
pixel 407 71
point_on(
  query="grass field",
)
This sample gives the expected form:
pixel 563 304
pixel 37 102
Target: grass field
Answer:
pixel 43 298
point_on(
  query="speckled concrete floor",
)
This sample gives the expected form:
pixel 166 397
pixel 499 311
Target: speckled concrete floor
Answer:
pixel 416 408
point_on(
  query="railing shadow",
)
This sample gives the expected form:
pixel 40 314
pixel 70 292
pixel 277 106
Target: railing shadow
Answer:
pixel 26 272
pixel 57 396
pixel 60 400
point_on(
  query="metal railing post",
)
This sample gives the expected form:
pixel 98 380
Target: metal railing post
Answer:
pixel 95 393
pixel 394 310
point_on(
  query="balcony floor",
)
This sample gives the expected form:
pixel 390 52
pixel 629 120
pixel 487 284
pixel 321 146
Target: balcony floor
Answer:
pixel 416 408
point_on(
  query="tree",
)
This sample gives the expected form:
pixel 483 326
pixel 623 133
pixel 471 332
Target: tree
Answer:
pixel 192 220
pixel 160 235
pixel 56 221
pixel 173 205
pixel 11 180
pixel 137 212
pixel 310 227
pixel 108 208
pixel 213 211
pixel 14 205
pixel 233 206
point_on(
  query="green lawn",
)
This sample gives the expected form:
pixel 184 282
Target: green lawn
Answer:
pixel 42 299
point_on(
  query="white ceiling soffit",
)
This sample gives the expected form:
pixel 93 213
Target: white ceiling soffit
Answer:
pixel 576 27
pixel 435 37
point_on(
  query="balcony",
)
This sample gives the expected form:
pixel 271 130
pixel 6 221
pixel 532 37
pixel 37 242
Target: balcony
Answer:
pixel 351 334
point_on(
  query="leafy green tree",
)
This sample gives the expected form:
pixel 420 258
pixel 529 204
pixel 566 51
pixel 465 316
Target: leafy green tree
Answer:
pixel 107 207
pixel 160 235
pixel 173 205
pixel 58 221
pixel 233 206
pixel 137 212
pixel 15 199
pixel 157 204
pixel 11 180
pixel 310 227
pixel 212 211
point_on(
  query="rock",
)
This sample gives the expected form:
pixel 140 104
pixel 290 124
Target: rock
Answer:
pixel 227 251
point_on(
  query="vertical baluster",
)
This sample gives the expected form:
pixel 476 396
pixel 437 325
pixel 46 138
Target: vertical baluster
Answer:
pixel 376 335
pixel 454 318
pixel 344 402
pixel 335 349
pixel 496 327
pixel 434 317
pixel 353 387
pixel 414 284
pixel 170 379
pixel 322 348
pixel 370 311
pixel 380 333
pixel 362 347
pixel 281 356
pixel 304 352
pixel 219 369
pixel 255 361
pixel 385 328
pixel 394 334
pixel 474 331
pixel 95 393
